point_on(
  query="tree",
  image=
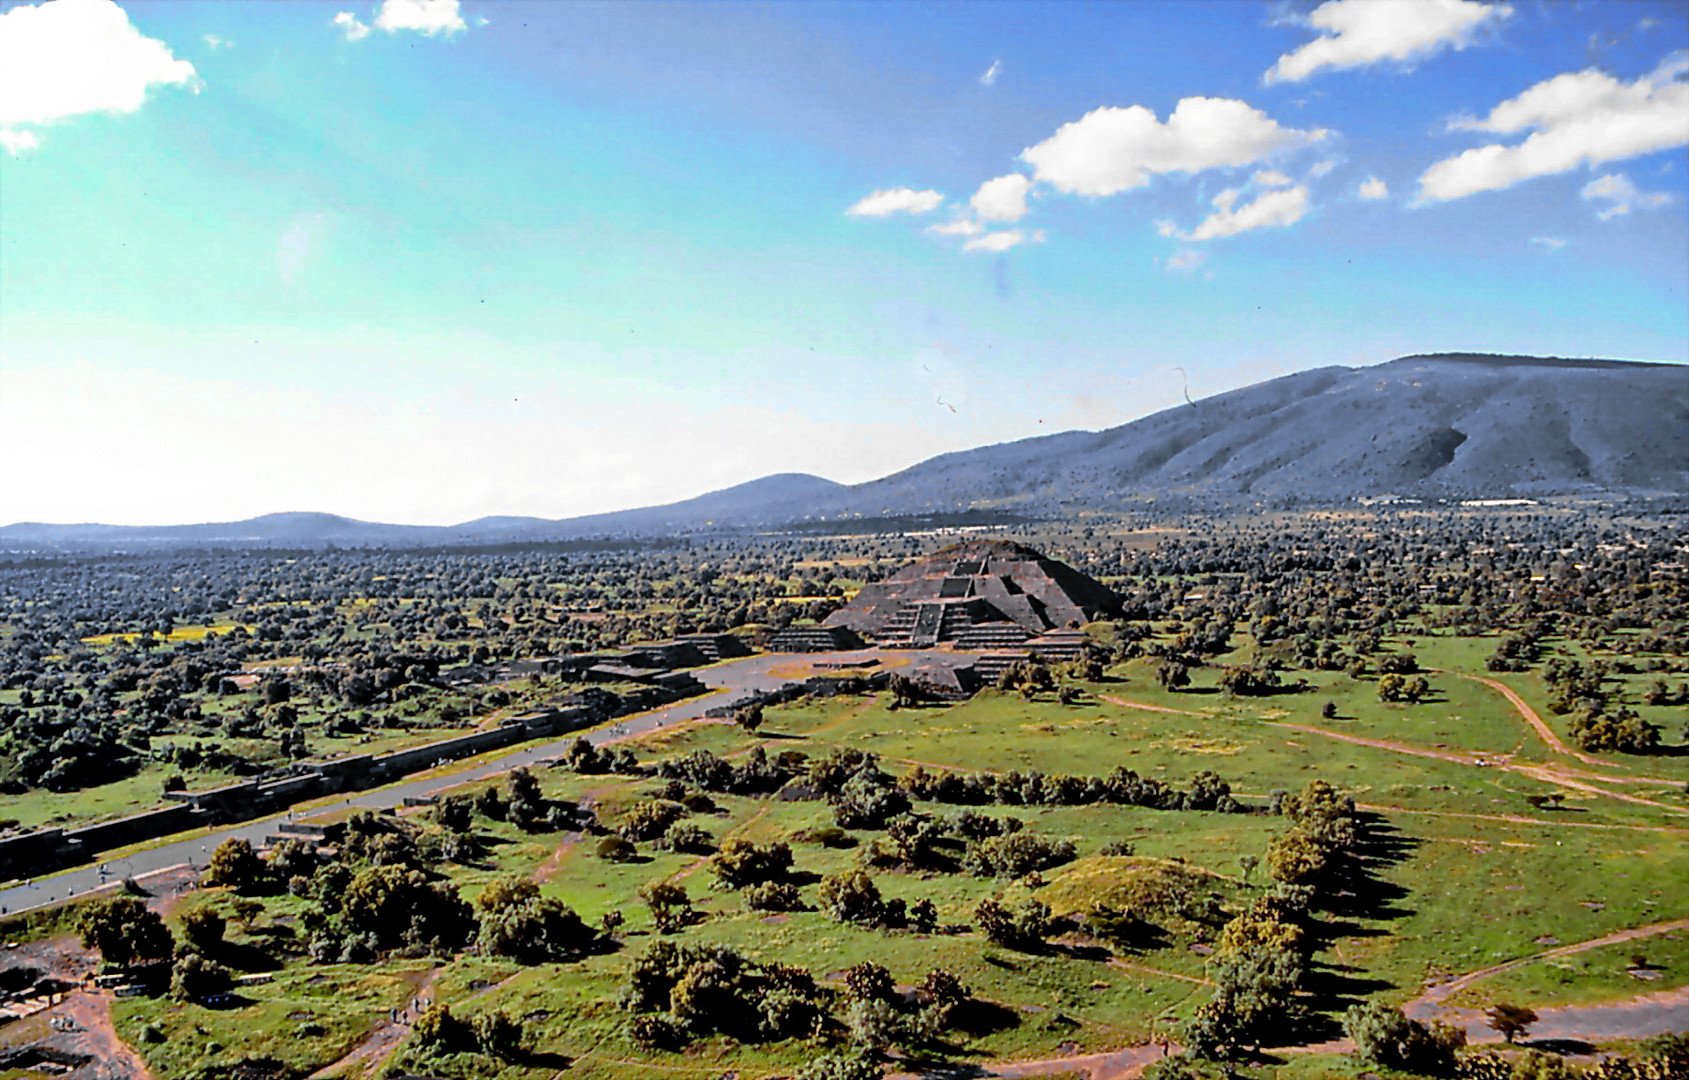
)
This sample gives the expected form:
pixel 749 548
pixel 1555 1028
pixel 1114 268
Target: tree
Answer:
pixel 235 865
pixel 850 896
pixel 1024 927
pixel 202 929
pixel 1392 688
pixel 743 862
pixel 869 981
pixel 394 906
pixel 1296 857
pixel 125 931
pixel 439 1031
pixel 519 923
pixel 498 1034
pixel 1385 1035
pixel 194 978
pixel 1510 1021
pixel 671 908
pixel 749 717
pixel 1172 675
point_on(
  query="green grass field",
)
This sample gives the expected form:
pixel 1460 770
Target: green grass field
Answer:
pixel 1470 874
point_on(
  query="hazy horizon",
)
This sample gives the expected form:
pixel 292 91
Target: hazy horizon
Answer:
pixel 423 261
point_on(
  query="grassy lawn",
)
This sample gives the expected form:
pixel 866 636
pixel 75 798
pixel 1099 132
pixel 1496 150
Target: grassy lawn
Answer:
pixel 1470 875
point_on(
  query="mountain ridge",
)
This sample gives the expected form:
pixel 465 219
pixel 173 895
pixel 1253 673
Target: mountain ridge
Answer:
pixel 1446 425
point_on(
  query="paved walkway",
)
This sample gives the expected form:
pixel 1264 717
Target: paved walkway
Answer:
pixel 729 680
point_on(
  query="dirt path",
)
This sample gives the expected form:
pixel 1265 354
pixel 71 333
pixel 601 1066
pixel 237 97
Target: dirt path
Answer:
pixel 1437 994
pixel 379 1044
pixel 112 1058
pixel 1637 1017
pixel 1533 718
pixel 1546 733
pixel 1124 704
pixel 1520 819
pixel 1545 773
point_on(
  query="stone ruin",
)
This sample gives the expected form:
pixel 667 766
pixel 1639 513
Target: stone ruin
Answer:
pixel 977 595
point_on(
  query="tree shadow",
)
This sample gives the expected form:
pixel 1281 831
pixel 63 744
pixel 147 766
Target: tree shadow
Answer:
pixel 1363 894
pixel 977 1018
pixel 1334 987
pixel 244 956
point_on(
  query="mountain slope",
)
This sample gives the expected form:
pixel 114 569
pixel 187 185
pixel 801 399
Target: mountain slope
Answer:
pixel 1452 425
pixel 1444 426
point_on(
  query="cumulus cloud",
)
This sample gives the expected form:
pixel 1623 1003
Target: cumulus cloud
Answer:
pixel 1270 178
pixel 1112 149
pixel 1273 209
pixel 1576 118
pixel 67 58
pixel 428 17
pixel 1002 199
pixel 16 141
pixel 1373 188
pixel 991 73
pixel 348 22
pixel 1355 33
pixel 896 201
pixel 1186 261
pixel 964 227
pixel 1621 195
pixel 1001 241
pixel 213 42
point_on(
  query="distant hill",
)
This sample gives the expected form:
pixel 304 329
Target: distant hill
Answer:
pixel 1431 426
pixel 1441 426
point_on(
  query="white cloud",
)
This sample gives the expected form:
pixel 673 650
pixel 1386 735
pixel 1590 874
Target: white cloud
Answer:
pixel 355 30
pixel 424 16
pixel 896 201
pixel 1270 178
pixel 1186 261
pixel 67 58
pixel 1274 209
pixel 213 42
pixel 1321 168
pixel 1621 195
pixel 997 241
pixel 1361 32
pixel 964 227
pixel 1002 199
pixel 1166 228
pixel 1112 149
pixel 1551 243
pixel 991 73
pixel 16 141
pixel 429 17
pixel 1373 188
pixel 1576 118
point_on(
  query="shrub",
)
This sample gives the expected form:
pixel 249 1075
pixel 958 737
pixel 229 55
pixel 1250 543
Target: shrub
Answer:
pixel 743 862
pixel 850 896
pixel 1023 927
pixel 773 896
pixel 1015 855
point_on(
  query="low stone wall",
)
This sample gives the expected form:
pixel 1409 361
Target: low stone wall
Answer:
pixel 45 850
pixel 133 829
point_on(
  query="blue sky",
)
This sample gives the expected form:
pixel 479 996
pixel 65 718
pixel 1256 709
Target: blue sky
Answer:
pixel 422 260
